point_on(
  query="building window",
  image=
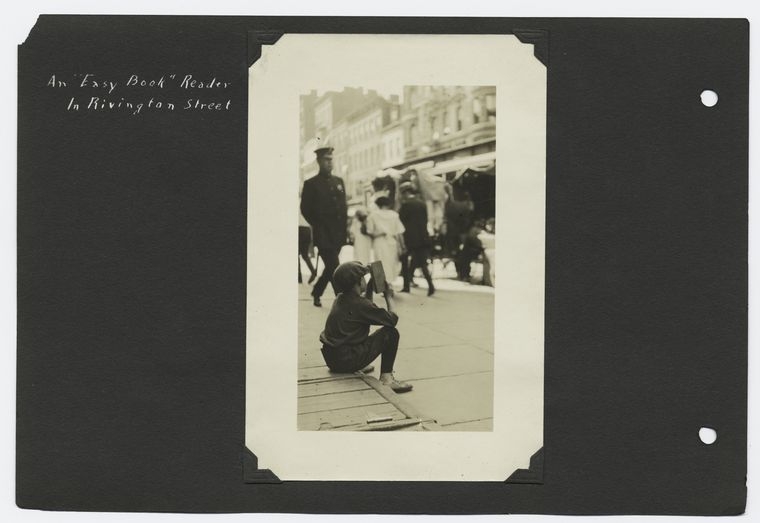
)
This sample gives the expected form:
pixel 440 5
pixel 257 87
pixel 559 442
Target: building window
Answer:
pixel 477 109
pixel 412 134
pixel 413 96
pixel 460 116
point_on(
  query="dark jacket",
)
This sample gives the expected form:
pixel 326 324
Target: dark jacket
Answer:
pixel 350 318
pixel 413 214
pixel 323 205
pixel 458 216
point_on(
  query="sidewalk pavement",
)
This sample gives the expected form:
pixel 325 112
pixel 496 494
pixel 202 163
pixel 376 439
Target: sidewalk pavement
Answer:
pixel 445 351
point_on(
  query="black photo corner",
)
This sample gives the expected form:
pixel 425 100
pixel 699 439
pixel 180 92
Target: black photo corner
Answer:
pixel 132 270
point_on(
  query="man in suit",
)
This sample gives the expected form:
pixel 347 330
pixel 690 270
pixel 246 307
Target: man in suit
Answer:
pixel 323 205
pixel 413 214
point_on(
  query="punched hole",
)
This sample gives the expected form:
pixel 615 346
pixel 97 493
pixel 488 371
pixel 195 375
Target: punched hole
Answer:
pixel 709 98
pixel 707 435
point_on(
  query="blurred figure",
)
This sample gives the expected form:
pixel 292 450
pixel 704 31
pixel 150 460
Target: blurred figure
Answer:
pixel 362 240
pixel 458 223
pixel 384 185
pixel 304 245
pixel 472 248
pixel 414 217
pixel 323 204
pixel 434 192
pixel 386 230
pixel 488 239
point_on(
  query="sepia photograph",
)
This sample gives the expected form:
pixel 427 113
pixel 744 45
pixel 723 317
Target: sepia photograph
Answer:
pixel 387 178
pixel 396 247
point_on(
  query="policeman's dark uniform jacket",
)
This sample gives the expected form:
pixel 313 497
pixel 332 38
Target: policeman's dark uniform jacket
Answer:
pixel 323 205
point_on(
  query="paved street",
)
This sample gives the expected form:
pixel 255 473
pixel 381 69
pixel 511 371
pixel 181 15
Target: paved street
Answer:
pixel 446 349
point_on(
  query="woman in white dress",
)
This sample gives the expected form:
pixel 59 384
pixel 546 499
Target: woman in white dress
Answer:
pixel 386 230
pixel 362 240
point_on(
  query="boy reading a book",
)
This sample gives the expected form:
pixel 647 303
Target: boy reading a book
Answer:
pixel 347 345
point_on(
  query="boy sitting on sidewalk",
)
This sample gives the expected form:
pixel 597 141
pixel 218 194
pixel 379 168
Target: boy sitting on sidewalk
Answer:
pixel 347 345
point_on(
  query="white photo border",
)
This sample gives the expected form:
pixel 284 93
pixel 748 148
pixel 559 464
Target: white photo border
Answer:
pixel 298 63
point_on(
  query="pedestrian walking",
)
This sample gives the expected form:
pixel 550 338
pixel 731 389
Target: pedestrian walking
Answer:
pixel 362 240
pixel 304 246
pixel 323 205
pixel 472 249
pixel 386 230
pixel 413 215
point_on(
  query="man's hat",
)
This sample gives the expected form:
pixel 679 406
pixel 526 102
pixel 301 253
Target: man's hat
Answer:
pixel 323 148
pixel 323 151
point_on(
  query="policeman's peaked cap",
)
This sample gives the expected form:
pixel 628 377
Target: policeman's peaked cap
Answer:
pixel 321 151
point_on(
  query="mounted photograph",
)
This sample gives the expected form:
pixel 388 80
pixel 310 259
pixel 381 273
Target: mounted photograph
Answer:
pixel 388 178
pixel 397 248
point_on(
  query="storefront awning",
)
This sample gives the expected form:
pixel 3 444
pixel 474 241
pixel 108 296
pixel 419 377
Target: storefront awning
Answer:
pixel 389 171
pixel 478 162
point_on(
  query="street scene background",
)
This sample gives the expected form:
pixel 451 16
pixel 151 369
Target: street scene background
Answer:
pixel 441 141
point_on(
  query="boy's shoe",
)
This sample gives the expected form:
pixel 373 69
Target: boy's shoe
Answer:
pixel 400 386
pixel 397 386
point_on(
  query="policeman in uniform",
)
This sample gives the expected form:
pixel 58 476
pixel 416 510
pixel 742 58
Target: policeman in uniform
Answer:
pixel 323 204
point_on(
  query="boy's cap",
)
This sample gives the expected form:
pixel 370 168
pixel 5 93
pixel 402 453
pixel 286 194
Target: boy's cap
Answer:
pixel 347 275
